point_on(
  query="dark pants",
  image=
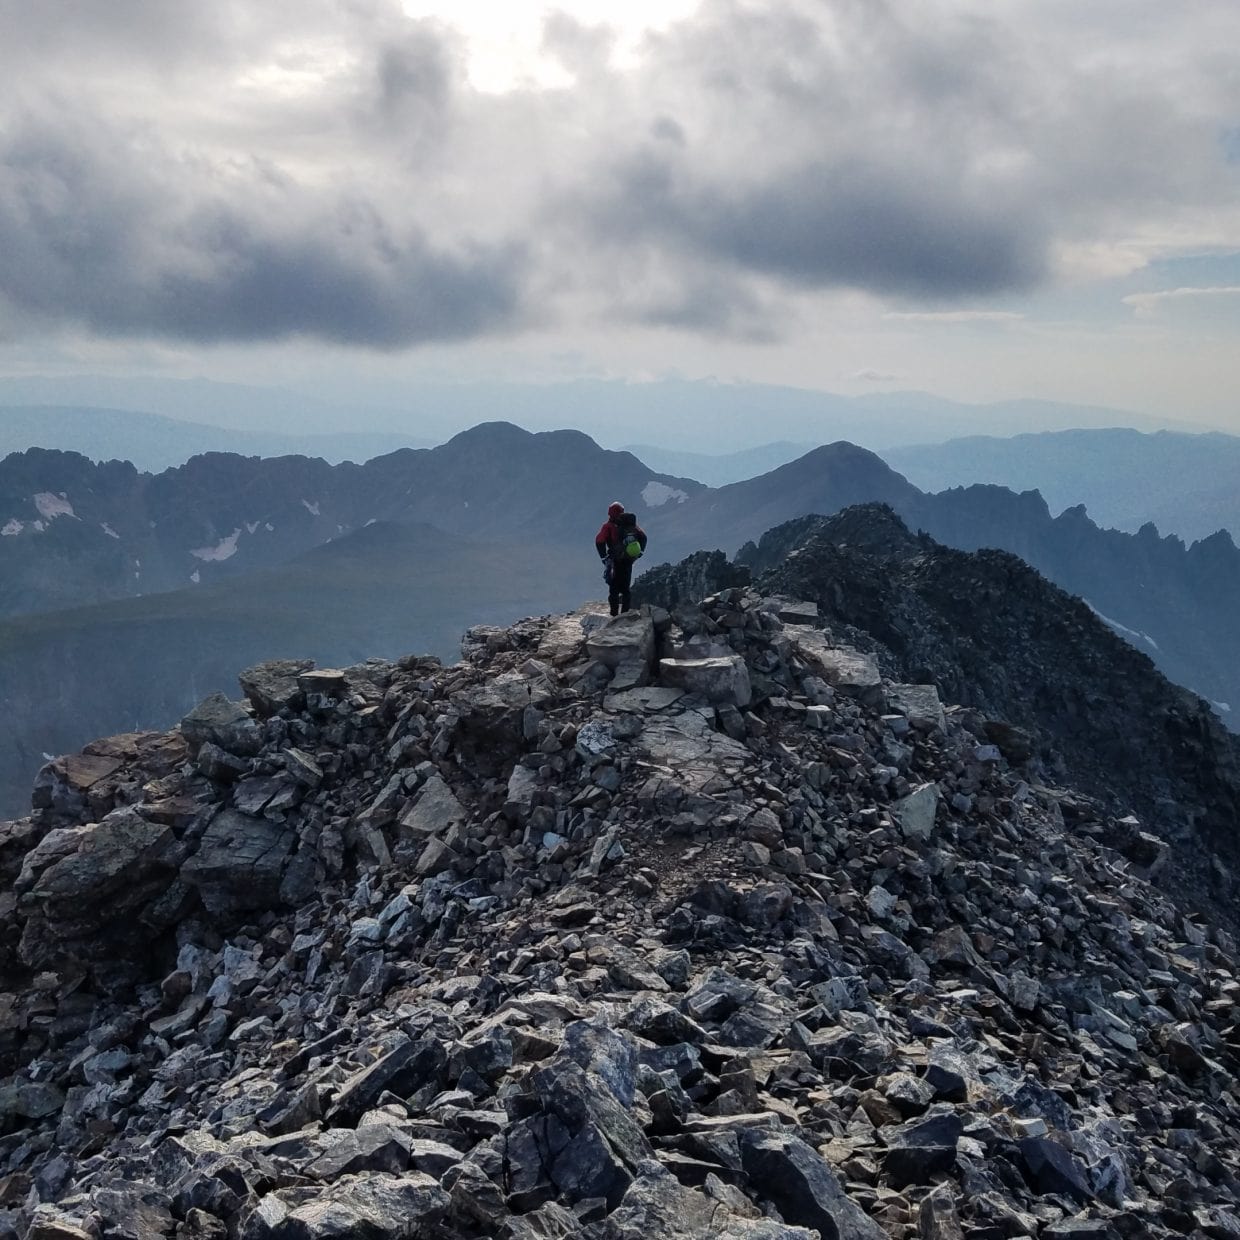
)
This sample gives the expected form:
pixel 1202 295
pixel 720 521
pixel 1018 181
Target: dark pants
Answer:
pixel 620 583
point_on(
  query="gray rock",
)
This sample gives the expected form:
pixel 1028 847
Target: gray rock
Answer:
pixel 920 704
pixel 655 1205
pixel 349 1151
pixel 923 1149
pixel 916 812
pixel 435 810
pixel 624 638
pixel 1054 1169
pixel 223 723
pixel 405 1068
pixel 849 672
pixel 273 686
pixel 366 1207
pixel 240 863
pixel 723 680
pixel 802 1185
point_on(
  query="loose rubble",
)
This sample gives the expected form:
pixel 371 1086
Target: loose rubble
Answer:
pixel 684 925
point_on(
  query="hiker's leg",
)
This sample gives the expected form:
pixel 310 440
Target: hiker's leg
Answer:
pixel 625 574
pixel 613 590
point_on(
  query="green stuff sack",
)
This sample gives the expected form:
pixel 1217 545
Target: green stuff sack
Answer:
pixel 632 546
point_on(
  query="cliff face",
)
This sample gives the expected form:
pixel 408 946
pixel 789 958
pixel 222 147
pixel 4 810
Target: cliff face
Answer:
pixel 684 925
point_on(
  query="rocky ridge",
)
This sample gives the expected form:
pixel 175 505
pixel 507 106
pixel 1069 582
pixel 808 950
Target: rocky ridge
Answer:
pixel 1065 694
pixel 678 925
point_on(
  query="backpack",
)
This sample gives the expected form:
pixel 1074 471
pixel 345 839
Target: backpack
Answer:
pixel 626 545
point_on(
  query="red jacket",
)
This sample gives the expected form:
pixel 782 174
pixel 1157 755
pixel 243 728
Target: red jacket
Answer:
pixel 607 540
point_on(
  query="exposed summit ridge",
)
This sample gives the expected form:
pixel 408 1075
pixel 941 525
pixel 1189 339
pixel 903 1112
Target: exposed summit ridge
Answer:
pixel 685 925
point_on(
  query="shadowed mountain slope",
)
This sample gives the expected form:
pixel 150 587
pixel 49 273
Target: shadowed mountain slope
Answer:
pixel 994 635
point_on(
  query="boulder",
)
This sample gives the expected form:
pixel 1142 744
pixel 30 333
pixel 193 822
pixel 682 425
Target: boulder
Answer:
pixel 362 1207
pixel 802 1186
pixel 916 812
pixel 721 680
pixel 919 704
pixel 406 1067
pixel 849 672
pixel 435 810
pixel 224 723
pixel 273 686
pixel 240 863
pixel 627 638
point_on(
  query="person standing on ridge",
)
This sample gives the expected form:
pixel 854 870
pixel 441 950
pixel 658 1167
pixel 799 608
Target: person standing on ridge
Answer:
pixel 619 543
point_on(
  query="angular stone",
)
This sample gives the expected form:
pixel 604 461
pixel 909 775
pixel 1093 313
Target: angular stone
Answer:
pixel 802 1185
pixel 651 699
pixel 328 682
pixel 656 1207
pixel 374 1148
pixel 364 1207
pixel 435 810
pixel 28 1100
pixel 923 1149
pixel 109 856
pixel 916 812
pixel 223 723
pixel 272 686
pixel 920 704
pixel 847 671
pixel 723 680
pixel 404 1069
pixel 82 771
pixel 626 637
pixel 240 863
pixel 1054 1169
pixel 436 858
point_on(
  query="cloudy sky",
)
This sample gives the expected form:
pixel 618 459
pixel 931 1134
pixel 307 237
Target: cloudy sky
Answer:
pixel 1038 198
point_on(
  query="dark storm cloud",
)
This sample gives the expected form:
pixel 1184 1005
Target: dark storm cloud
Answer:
pixel 106 229
pixel 822 225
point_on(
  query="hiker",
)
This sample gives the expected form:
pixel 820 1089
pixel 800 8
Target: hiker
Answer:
pixel 619 543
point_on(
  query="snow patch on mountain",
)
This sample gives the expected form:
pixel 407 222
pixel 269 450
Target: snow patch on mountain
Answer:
pixel 312 509
pixel 11 529
pixel 51 505
pixel 108 530
pixel 655 494
pixel 1122 629
pixel 225 549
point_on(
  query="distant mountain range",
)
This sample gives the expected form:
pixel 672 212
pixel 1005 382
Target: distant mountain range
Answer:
pixel 153 442
pixel 72 532
pixel 1184 484
pixel 700 417
pixel 239 559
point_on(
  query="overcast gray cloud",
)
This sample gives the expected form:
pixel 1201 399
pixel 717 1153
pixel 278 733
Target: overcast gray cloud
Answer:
pixel 108 229
pixel 236 171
